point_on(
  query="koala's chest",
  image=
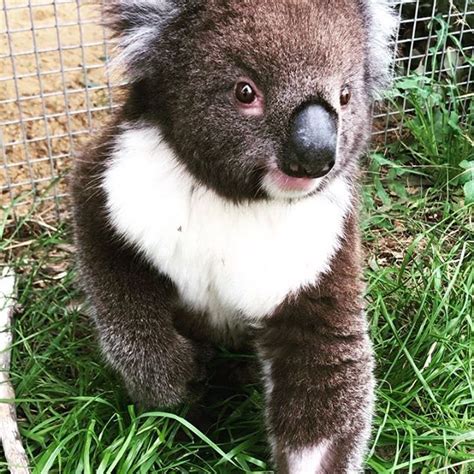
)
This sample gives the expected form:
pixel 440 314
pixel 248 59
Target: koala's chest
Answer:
pixel 234 263
pixel 238 263
pixel 228 262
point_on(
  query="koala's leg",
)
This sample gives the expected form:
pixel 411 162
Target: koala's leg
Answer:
pixel 133 311
pixel 318 373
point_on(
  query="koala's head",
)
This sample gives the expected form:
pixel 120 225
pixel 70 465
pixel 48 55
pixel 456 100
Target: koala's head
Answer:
pixel 259 99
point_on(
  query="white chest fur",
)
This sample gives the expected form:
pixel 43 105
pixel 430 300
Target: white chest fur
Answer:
pixel 235 262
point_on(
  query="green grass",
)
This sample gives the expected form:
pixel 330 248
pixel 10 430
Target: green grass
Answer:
pixel 75 417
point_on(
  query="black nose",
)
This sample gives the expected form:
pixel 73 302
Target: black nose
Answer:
pixel 311 150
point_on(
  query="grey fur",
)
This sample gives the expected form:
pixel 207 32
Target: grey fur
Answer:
pixel 183 58
pixel 138 24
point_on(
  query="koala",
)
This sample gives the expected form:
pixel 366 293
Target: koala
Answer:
pixel 220 208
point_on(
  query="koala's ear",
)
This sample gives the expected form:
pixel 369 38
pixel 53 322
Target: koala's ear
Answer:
pixel 137 24
pixel 382 27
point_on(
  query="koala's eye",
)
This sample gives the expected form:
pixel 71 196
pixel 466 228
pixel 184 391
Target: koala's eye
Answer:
pixel 345 96
pixel 248 98
pixel 245 93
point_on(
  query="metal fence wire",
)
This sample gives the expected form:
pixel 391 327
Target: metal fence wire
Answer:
pixel 55 89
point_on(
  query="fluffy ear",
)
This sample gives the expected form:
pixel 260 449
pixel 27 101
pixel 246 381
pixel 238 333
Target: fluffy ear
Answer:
pixel 383 25
pixel 137 24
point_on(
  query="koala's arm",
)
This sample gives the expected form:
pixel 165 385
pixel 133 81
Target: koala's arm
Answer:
pixel 318 372
pixel 132 304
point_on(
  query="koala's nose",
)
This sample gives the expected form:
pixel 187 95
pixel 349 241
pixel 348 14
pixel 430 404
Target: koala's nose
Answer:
pixel 311 150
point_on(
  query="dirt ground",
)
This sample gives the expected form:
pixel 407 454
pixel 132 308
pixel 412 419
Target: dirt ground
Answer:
pixel 61 92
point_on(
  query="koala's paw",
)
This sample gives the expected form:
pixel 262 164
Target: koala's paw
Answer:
pixel 174 376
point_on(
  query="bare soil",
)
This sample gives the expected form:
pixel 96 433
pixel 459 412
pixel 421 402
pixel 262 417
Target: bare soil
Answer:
pixel 57 52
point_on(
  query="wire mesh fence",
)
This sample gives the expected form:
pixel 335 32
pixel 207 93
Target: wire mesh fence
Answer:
pixel 55 89
pixel 435 40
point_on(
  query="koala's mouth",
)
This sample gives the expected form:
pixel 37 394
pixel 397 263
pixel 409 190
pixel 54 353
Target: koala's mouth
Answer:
pixel 277 184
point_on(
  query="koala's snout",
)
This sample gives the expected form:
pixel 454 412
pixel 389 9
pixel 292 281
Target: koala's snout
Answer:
pixel 312 144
